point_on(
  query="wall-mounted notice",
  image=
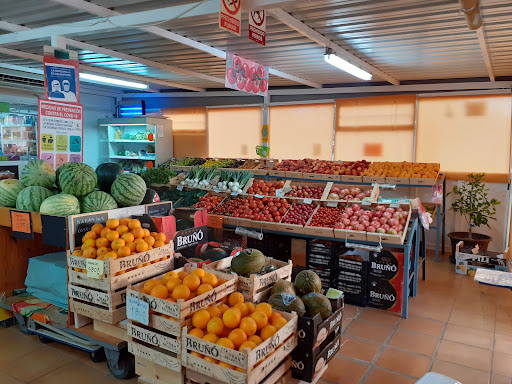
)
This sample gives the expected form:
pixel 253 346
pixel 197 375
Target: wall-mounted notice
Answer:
pixel 60 132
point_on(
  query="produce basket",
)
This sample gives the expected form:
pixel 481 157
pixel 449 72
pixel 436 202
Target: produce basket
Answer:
pixel 256 288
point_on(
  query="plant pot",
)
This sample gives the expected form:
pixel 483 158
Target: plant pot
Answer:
pixel 477 238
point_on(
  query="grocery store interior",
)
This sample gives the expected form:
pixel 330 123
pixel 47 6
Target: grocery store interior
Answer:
pixel 255 191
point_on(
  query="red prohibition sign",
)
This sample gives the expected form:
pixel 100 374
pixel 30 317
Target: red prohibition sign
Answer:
pixel 260 15
pixel 229 4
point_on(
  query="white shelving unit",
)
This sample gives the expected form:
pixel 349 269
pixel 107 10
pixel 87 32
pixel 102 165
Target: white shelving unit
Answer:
pixel 18 140
pixel 129 139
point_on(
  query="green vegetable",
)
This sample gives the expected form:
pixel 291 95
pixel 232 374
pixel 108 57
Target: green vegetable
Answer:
pixel 160 175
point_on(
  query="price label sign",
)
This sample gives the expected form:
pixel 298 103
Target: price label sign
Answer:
pixel 137 310
pixel 95 268
pixel 307 201
pixel 179 187
pixel 234 193
pixel 334 293
pixel 259 196
pixel 21 223
pixel 279 193
pixel 332 204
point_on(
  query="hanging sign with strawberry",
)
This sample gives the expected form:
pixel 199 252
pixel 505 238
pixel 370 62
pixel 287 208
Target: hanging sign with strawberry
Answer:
pixel 245 75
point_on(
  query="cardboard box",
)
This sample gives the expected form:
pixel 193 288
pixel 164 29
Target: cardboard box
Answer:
pixel 387 265
pixel 353 276
pixel 385 294
pixel 467 262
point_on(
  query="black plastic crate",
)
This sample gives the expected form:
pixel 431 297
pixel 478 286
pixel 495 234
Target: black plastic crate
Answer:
pixel 352 277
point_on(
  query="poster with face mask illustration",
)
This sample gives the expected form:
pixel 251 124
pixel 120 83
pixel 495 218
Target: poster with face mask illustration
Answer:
pixel 61 77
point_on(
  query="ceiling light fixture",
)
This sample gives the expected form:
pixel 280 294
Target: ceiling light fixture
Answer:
pixel 344 65
pixel 110 80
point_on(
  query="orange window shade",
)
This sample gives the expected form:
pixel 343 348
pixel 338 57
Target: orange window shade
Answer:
pixel 465 133
pixel 301 131
pixel 188 131
pixel 375 128
pixel 234 132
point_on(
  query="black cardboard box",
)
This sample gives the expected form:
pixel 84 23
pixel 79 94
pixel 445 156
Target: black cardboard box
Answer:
pixel 352 276
pixel 313 331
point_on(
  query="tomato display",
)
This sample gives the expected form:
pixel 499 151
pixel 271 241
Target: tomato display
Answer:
pixel 299 214
pixel 251 207
pixel 209 202
pixel 266 188
pixel 306 192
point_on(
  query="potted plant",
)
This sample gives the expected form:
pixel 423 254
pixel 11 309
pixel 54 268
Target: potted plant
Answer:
pixel 473 204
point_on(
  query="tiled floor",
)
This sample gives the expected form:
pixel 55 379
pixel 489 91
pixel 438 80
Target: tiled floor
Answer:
pixel 456 327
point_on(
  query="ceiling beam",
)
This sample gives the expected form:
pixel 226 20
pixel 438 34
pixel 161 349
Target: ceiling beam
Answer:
pixel 213 8
pixel 123 56
pixel 482 40
pixel 318 38
pixel 89 68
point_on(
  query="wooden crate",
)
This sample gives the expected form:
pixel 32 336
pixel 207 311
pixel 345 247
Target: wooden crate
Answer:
pixel 152 373
pixel 392 239
pixel 256 288
pixel 251 182
pixel 117 330
pixel 321 176
pixel 352 178
pixel 326 186
pixel 255 364
pixel 105 299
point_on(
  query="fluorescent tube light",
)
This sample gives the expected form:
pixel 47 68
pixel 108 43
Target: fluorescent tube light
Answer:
pixel 344 65
pixel 110 80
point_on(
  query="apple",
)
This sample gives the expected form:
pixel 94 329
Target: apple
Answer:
pixel 371 228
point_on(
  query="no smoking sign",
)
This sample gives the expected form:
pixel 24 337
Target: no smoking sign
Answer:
pixel 257 26
pixel 230 15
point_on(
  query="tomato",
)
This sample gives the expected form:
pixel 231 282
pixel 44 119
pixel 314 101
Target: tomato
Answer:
pixel 245 70
pixel 240 82
pixel 231 75
pixel 282 210
pixel 248 85
pixel 260 72
pixel 255 86
pixel 237 63
pixel 278 205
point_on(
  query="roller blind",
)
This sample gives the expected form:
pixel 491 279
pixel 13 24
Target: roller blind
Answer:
pixel 234 132
pixel 465 133
pixel 375 128
pixel 188 131
pixel 301 131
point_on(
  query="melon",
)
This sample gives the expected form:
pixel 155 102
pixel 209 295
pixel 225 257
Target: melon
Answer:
pixel 59 170
pixel 77 179
pixel 247 262
pixel 283 286
pixel 150 197
pixel 215 254
pixel 98 201
pixel 128 190
pixel 316 303
pixel 31 198
pixel 9 191
pixel 287 302
pixel 38 173
pixel 107 173
pixel 62 204
pixel 307 281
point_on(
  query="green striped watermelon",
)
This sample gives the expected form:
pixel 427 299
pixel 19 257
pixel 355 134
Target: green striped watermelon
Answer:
pixel 9 191
pixel 98 201
pixel 128 189
pixel 38 173
pixel 62 204
pixel 31 198
pixel 77 179
pixel 59 170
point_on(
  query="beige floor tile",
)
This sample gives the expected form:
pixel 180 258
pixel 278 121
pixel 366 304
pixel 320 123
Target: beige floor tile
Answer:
pixel 381 376
pixel 41 362
pixel 8 379
pixel 414 342
pixel 422 325
pixel 379 316
pixel 469 336
pixel 466 355
pixel 404 362
pixel 74 372
pixel 502 343
pixel 102 366
pixel 344 371
pixel 370 331
pixel 471 320
pixel 14 345
pixel 358 348
pixel 458 372
pixel 68 350
pixel 502 364
pixel 350 312
pixel 498 379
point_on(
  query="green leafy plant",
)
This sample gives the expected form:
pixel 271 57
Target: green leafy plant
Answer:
pixel 473 203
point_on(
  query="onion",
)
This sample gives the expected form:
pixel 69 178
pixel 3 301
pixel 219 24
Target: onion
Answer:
pixel 345 192
pixel 333 196
pixel 355 191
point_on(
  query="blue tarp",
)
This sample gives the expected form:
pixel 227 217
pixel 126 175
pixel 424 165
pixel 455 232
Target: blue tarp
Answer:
pixel 47 278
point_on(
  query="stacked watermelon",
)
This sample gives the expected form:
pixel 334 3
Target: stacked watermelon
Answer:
pixel 71 189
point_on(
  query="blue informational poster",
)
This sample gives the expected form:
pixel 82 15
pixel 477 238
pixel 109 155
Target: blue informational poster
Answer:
pixel 61 80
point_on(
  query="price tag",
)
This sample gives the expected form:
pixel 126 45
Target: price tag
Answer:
pixel 216 190
pixel 234 193
pixel 385 186
pixel 259 196
pixel 94 268
pixel 287 189
pixel 307 201
pixel 215 221
pixel 21 223
pixel 334 294
pixel 279 193
pixel 179 187
pixel 332 204
pixel 366 201
pixel 137 310
pixel 394 205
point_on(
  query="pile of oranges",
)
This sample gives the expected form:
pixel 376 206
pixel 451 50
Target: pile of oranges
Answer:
pixel 236 325
pixel 119 238
pixel 182 285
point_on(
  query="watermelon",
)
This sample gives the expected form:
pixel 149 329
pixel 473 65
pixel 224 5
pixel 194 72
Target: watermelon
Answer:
pixel 316 303
pixel 62 204
pixel 77 179
pixel 151 197
pixel 98 201
pixel 31 198
pixel 9 191
pixel 247 262
pixel 128 189
pixel 107 173
pixel 38 173
pixel 59 170
pixel 215 254
pixel 307 281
